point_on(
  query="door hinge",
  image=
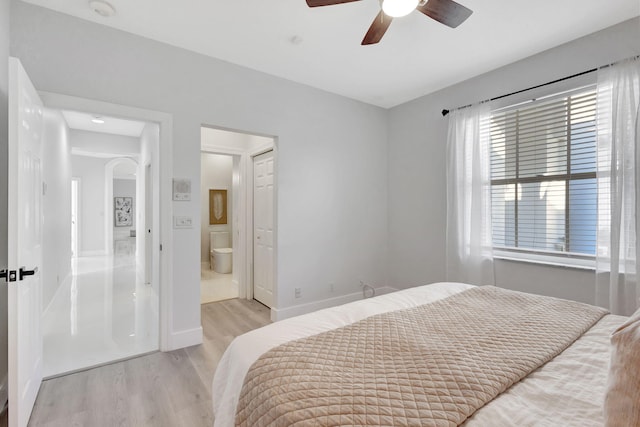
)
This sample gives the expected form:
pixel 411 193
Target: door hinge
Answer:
pixel 160 246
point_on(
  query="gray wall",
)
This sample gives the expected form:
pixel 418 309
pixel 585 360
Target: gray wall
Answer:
pixel 4 69
pixel 417 166
pixel 331 151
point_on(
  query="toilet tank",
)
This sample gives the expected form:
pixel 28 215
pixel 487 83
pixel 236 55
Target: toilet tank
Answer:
pixel 219 239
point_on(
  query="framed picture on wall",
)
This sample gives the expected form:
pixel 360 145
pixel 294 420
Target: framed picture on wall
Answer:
pixel 123 211
pixel 217 206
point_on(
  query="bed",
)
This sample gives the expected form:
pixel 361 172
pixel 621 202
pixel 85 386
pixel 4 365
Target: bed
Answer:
pixel 564 386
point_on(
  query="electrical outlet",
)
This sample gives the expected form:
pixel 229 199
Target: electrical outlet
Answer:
pixel 298 292
pixel 331 287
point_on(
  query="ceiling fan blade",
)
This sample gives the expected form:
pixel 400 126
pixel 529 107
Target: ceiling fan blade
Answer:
pixel 377 29
pixel 447 12
pixel 316 3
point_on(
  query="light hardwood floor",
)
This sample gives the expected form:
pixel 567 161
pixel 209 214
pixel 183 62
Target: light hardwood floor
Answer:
pixel 160 389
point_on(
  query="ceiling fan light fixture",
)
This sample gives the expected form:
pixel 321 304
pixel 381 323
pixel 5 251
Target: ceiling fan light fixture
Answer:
pixel 399 8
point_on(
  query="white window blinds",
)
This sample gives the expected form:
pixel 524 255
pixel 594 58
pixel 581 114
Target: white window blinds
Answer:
pixel 543 175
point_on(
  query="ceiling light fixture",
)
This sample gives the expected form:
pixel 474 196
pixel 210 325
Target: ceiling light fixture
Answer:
pixel 97 120
pixel 102 8
pixel 398 8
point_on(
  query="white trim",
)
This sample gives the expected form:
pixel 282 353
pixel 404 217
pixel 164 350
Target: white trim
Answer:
pixel 165 233
pixel 78 224
pixel 543 259
pixel 185 338
pixel 297 310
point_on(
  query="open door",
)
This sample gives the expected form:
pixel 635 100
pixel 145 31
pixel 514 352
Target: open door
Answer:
pixel 263 181
pixel 24 244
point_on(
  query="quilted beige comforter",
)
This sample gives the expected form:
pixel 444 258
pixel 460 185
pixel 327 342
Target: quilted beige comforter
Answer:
pixel 430 365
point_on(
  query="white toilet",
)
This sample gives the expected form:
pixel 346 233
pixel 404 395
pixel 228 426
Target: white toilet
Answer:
pixel 220 254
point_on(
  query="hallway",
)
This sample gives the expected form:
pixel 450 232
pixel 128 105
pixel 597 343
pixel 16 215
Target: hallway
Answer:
pixel 103 314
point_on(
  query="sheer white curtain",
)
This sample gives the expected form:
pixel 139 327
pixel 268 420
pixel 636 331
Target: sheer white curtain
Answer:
pixel 618 103
pixel 469 246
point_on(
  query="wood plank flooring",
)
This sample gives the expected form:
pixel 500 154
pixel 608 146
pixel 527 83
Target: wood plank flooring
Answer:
pixel 160 389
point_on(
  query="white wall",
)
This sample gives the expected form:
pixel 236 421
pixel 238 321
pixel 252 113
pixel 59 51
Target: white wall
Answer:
pixel 4 70
pixel 125 188
pixel 332 173
pixel 91 209
pixel 417 164
pixel 216 172
pixel 56 205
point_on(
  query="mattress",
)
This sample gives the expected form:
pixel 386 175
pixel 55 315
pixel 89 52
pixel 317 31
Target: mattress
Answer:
pixel 568 390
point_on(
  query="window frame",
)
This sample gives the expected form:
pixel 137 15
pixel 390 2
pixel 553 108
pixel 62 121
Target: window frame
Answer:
pixel 539 256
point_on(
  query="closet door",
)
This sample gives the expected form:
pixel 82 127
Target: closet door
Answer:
pixel 263 217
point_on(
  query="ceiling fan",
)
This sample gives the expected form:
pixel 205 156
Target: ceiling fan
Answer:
pixel 447 12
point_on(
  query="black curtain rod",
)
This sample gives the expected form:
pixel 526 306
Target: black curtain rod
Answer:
pixel 445 111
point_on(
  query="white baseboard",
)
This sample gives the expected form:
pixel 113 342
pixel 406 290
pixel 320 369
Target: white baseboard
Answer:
pixel 297 310
pixel 183 339
pixel 385 290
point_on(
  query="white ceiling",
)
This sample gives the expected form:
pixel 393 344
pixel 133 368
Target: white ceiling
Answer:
pixel 111 125
pixel 320 47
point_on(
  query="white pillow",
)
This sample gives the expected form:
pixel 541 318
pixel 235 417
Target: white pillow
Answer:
pixel 622 401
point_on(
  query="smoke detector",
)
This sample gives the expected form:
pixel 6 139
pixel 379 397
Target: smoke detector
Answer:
pixel 102 8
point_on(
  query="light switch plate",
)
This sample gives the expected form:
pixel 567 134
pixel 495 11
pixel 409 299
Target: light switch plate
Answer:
pixel 182 222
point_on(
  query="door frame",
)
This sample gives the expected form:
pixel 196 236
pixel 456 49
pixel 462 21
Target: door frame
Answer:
pixel 245 216
pixel 164 234
pixel 78 203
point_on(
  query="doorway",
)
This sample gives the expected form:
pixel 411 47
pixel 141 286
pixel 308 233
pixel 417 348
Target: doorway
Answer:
pixel 243 148
pixel 218 194
pixel 103 309
pixel 46 183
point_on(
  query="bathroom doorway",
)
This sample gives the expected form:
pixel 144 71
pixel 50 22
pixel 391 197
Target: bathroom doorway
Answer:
pixel 218 278
pixel 241 148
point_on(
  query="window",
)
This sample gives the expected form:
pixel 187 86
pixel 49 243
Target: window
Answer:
pixel 543 176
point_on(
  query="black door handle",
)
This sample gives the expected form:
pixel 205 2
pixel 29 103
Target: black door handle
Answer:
pixel 24 272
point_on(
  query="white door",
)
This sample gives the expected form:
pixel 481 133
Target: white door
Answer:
pixel 24 244
pixel 263 228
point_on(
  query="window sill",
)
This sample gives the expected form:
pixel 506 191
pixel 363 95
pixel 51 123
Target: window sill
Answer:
pixel 555 261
